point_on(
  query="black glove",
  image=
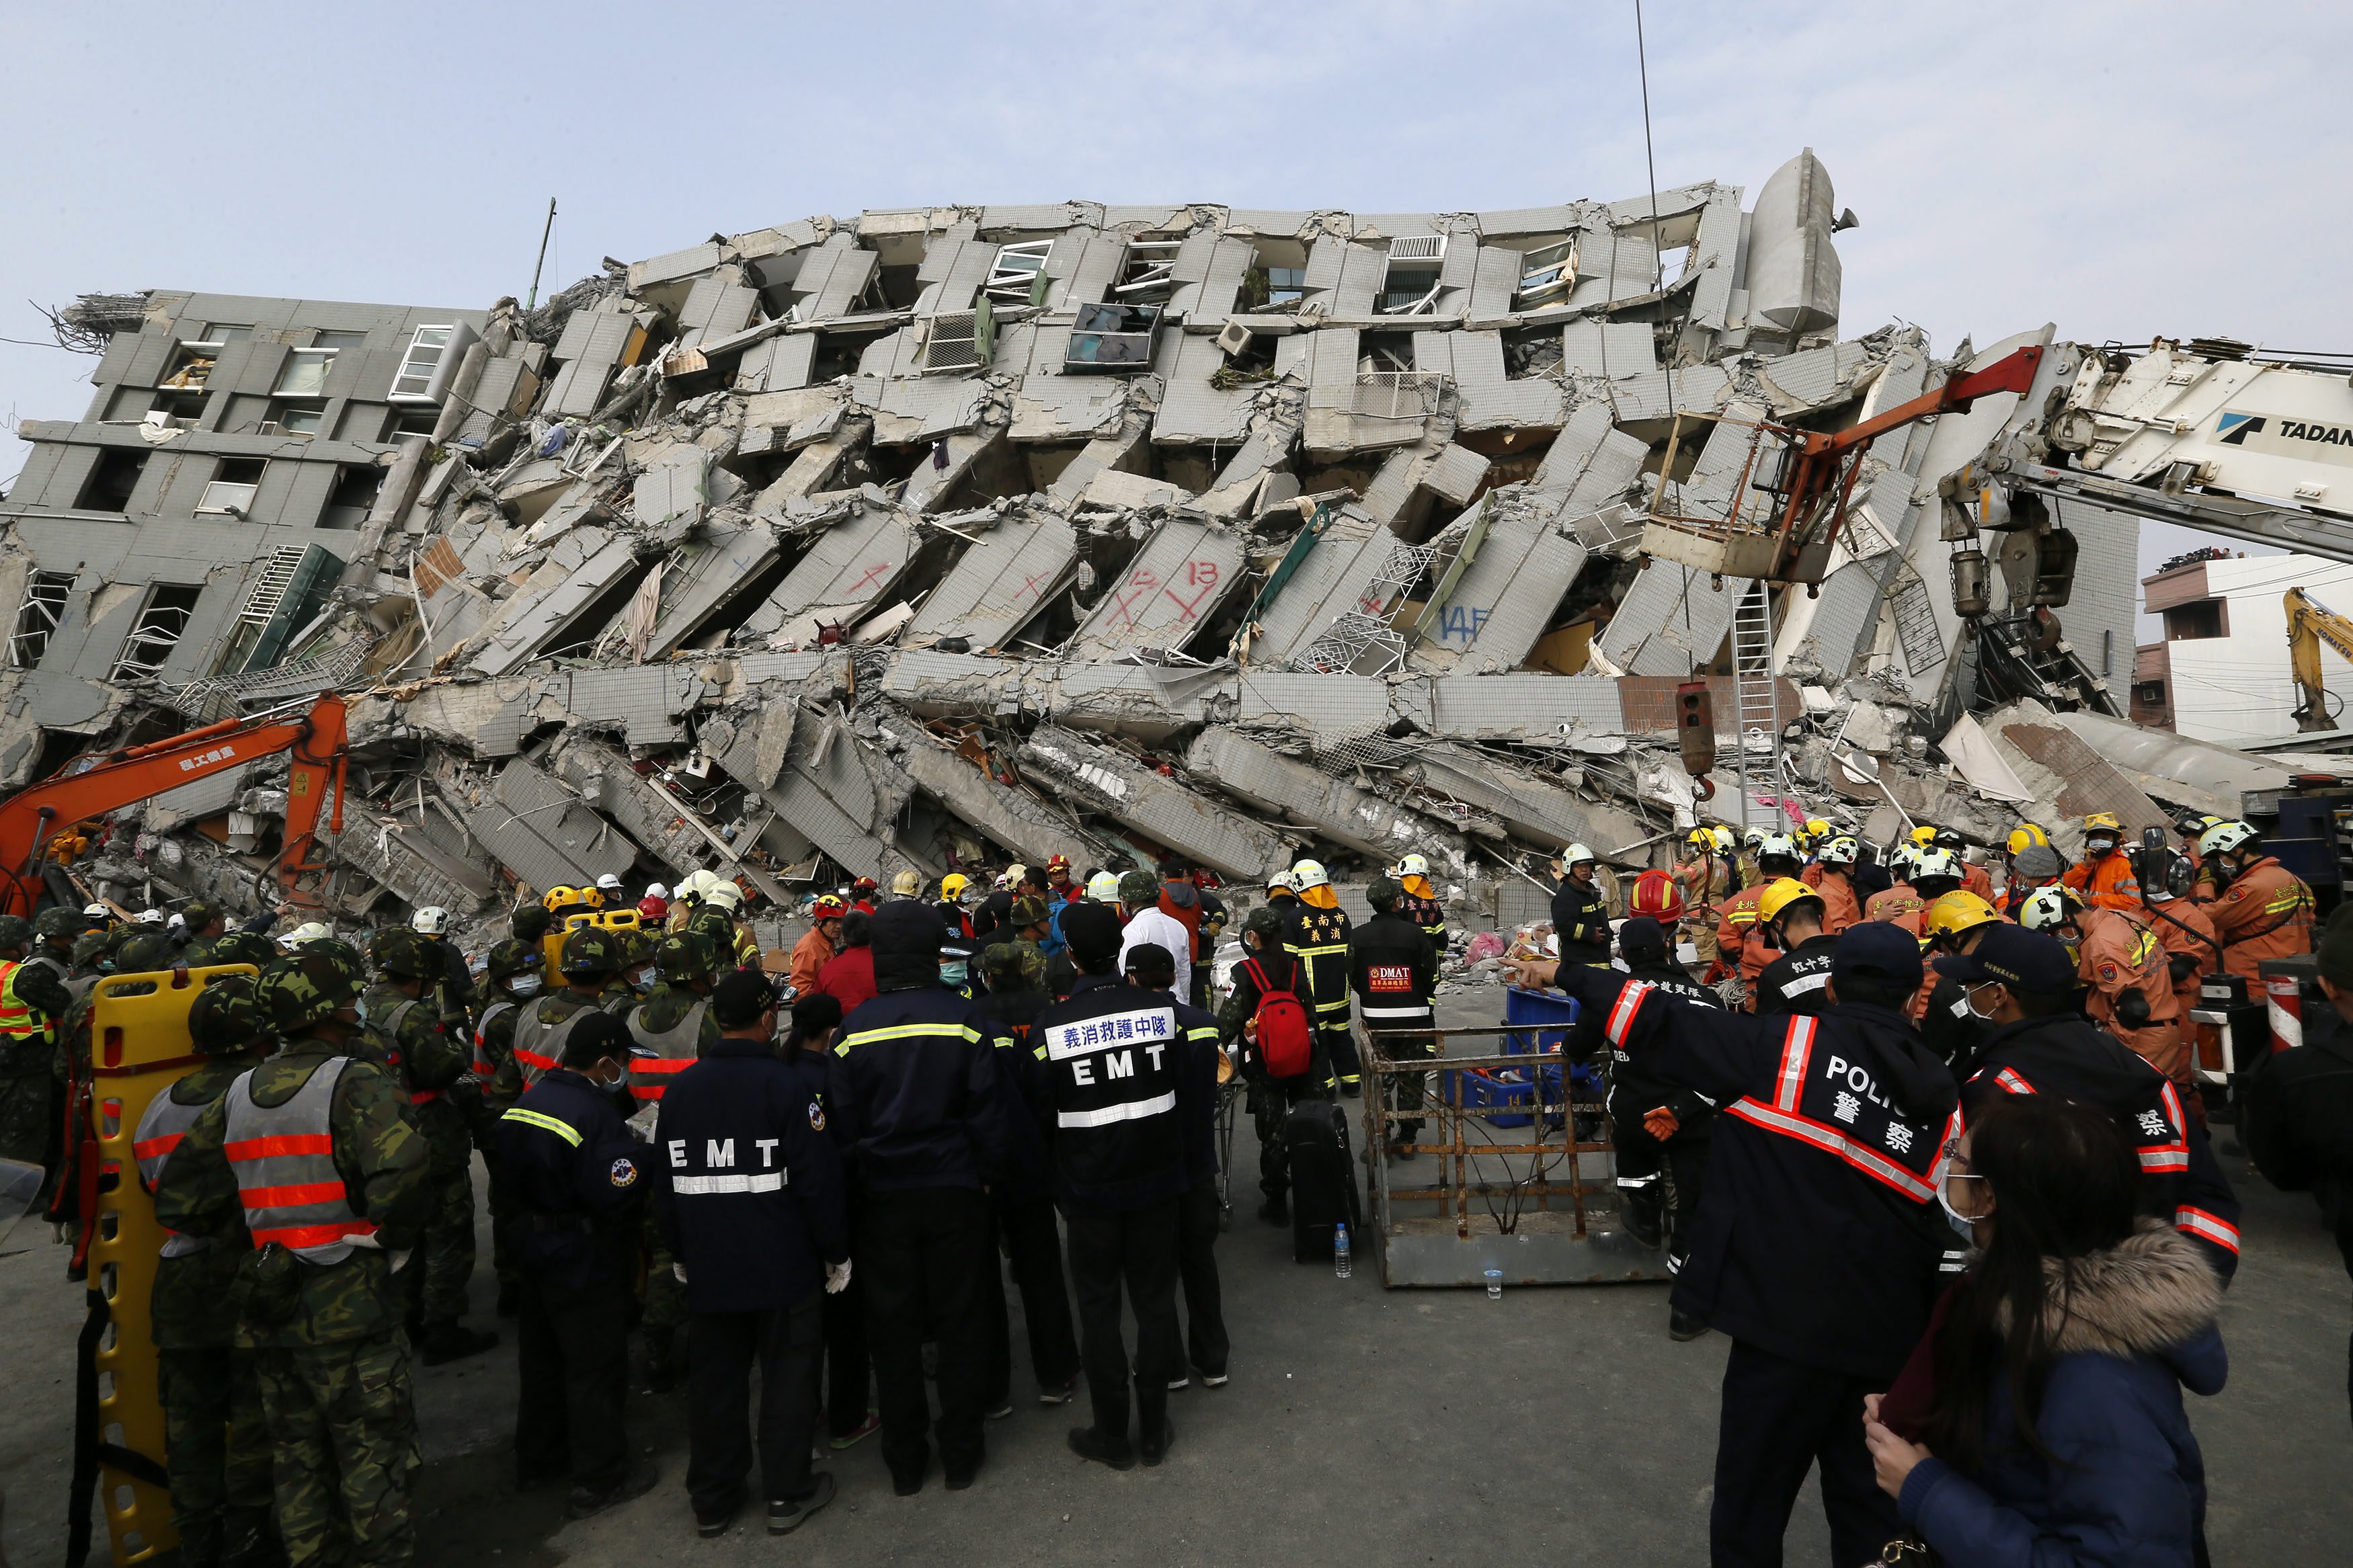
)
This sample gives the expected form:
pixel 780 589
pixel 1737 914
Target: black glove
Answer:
pixel 2181 966
pixel 2132 1009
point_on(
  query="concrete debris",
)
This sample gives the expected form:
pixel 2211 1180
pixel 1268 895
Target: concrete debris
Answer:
pixel 946 537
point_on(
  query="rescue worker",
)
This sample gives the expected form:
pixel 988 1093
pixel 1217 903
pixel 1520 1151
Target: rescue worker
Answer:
pixel 954 915
pixel 214 1434
pixel 674 1023
pixel 2187 829
pixel 1393 969
pixel 721 920
pixel 576 1181
pixel 530 923
pixel 1421 903
pixel 654 908
pixel 998 906
pixel 456 981
pixel 850 1416
pixel 430 1057
pixel 1955 924
pixel 2121 967
pixel 2024 837
pixel 1819 1246
pixel 586 962
pixel 913 1099
pixel 1281 889
pixel 312 1154
pixel 1751 870
pixel 2035 866
pixel 1975 879
pixel 1742 946
pixel 35 998
pixel 1103 887
pixel 1121 1101
pixel 1315 932
pixel 2297 1120
pixel 2104 875
pixel 1058 888
pixel 1790 915
pixel 1580 916
pixel 2193 948
pixel 750 1203
pixel 1021 932
pixel 1267 967
pixel 849 977
pixel 513 976
pixel 1928 875
pixel 2261 910
pixel 1143 918
pixel 2024 982
pixel 1206 1344
pixel 1831 877
pixel 865 892
pixel 1705 878
pixel 822 940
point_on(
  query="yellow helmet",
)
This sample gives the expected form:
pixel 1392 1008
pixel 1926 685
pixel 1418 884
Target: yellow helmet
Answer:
pixel 592 897
pixel 2025 835
pixel 1778 895
pixel 1958 912
pixel 1701 839
pixel 559 899
pixel 1817 829
pixel 953 885
pixel 1924 835
pixel 2103 821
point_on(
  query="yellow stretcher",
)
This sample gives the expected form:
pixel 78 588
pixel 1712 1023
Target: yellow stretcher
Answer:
pixel 611 919
pixel 139 1047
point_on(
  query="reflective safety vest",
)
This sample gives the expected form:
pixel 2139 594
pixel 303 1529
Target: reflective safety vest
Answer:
pixel 166 1121
pixel 674 1050
pixel 1840 1114
pixel 391 1053
pixel 284 1161
pixel 17 1021
pixel 483 1067
pixel 539 1045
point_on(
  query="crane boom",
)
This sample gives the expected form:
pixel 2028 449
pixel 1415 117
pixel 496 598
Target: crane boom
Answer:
pixel 315 739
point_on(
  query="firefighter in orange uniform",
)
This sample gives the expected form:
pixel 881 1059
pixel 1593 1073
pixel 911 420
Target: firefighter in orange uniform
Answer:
pixel 2122 964
pixel 1833 877
pixel 1742 941
pixel 2261 910
pixel 2104 875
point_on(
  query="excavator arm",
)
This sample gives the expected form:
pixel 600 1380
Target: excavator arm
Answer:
pixel 2310 623
pixel 315 739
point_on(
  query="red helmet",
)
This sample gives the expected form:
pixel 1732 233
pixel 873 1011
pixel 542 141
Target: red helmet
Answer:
pixel 863 886
pixel 1058 862
pixel 829 906
pixel 1656 895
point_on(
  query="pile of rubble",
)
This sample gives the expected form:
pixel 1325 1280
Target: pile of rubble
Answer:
pixel 945 538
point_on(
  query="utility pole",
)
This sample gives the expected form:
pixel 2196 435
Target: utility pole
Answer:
pixel 532 303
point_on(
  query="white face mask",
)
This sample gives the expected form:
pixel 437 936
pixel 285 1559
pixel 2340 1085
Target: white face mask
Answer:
pixel 1969 995
pixel 524 984
pixel 645 977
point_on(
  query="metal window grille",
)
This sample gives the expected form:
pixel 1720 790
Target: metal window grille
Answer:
pixel 163 621
pixel 37 618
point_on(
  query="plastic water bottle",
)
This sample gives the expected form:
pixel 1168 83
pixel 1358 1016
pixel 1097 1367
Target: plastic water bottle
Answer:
pixel 1340 1250
pixel 1495 1284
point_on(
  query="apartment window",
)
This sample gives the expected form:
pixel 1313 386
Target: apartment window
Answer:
pixel 1548 272
pixel 331 341
pixel 1148 271
pixel 961 343
pixel 1112 337
pixel 1410 285
pixel 425 369
pixel 111 482
pixel 216 333
pixel 37 618
pixel 413 422
pixel 353 496
pixel 163 621
pixel 183 410
pixel 302 419
pixel 2150 694
pixel 1285 285
pixel 192 365
pixel 2199 619
pixel 232 486
pixel 305 374
pixel 1018 275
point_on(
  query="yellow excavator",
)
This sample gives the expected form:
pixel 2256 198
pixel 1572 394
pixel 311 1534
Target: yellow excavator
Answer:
pixel 2311 623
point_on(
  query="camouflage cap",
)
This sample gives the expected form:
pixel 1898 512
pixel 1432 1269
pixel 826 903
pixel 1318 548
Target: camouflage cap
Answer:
pixel 403 954
pixel 637 945
pixel 684 955
pixel 15 931
pixel 146 955
pixel 530 924
pixel 1380 893
pixel 1029 910
pixel 343 955
pixel 299 989
pixel 589 949
pixel 241 947
pixel 90 946
pixel 201 912
pixel 1009 958
pixel 227 1016
pixel 1139 889
pixel 1265 919
pixel 516 957
pixel 50 924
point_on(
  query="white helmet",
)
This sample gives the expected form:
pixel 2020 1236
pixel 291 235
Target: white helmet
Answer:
pixel 656 890
pixel 1576 855
pixel 724 893
pixel 302 935
pixel 177 922
pixel 1102 888
pixel 2049 908
pixel 430 920
pixel 608 883
pixel 1280 880
pixel 1838 851
pixel 1411 866
pixel 2225 836
pixel 1900 857
pixel 1780 843
pixel 1933 861
pixel 151 917
pixel 906 884
pixel 1309 874
pixel 98 911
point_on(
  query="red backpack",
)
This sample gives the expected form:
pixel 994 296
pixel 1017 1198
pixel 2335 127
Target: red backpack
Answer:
pixel 1286 1041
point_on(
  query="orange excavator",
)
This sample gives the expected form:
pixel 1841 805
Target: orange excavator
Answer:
pixel 316 740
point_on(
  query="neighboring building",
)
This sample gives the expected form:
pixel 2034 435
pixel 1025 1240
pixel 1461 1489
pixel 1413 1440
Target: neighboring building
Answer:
pixel 2221 672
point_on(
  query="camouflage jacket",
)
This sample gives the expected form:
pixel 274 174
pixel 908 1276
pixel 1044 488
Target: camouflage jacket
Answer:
pixel 386 1171
pixel 192 1307
pixel 666 1006
pixel 1033 962
pixel 431 1056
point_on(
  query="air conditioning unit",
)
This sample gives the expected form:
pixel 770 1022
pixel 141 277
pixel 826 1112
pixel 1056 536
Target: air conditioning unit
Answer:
pixel 1235 340
pixel 1418 248
pixel 156 419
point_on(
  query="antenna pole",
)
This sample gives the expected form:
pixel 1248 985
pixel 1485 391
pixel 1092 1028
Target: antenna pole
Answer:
pixel 532 303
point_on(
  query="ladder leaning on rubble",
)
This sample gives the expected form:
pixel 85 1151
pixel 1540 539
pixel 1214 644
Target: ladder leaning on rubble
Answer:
pixel 1757 699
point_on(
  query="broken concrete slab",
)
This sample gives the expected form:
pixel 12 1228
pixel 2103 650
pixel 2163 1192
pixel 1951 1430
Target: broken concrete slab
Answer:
pixel 1330 807
pixel 1155 805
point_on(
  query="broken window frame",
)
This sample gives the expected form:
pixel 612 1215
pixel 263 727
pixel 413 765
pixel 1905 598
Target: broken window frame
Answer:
pixel 191 366
pixel 1148 267
pixel 1286 285
pixel 37 618
pixel 961 343
pixel 305 373
pixel 1425 252
pixel 1548 272
pixel 1135 326
pixel 424 364
pixel 109 460
pixel 223 495
pixel 163 617
pixel 1010 282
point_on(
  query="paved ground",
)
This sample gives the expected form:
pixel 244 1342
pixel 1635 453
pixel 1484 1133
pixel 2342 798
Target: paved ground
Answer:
pixel 1361 1426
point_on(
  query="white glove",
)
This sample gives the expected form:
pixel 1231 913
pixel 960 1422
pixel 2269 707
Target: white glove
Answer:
pixel 837 1277
pixel 680 1271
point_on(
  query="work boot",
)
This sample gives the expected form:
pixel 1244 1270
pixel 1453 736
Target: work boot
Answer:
pixel 1088 1443
pixel 1275 1211
pixel 1154 1449
pixel 1682 1325
pixel 1642 1211
pixel 784 1516
pixel 583 1503
pixel 454 1341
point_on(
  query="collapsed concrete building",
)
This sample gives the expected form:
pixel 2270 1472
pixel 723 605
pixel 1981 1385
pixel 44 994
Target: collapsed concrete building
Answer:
pixel 943 537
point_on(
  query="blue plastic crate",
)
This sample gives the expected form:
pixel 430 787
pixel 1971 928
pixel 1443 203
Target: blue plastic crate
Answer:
pixel 1516 1096
pixel 1525 1006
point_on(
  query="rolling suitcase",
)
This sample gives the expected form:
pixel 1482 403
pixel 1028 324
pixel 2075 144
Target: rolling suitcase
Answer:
pixel 1323 1178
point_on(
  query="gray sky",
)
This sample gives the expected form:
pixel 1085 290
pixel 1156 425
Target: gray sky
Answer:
pixel 2123 170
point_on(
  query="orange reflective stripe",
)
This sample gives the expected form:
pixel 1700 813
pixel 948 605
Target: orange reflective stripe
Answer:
pixel 278 1145
pixel 1863 1157
pixel 425 1096
pixel 660 1064
pixel 1630 997
pixel 299 1236
pixel 151 1148
pixel 292 1196
pixel 647 1092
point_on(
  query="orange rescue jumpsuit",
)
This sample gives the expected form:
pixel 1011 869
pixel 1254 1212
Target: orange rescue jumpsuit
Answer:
pixel 1976 879
pixel 2265 913
pixel 811 955
pixel 1840 908
pixel 2107 883
pixel 1741 943
pixel 1899 904
pixel 2122 953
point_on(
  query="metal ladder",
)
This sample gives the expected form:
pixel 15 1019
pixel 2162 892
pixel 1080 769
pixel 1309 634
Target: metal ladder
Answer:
pixel 1915 624
pixel 1757 699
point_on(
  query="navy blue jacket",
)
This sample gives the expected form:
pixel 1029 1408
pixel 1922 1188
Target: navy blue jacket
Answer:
pixel 572 1177
pixel 1029 1173
pixel 1818 1236
pixel 2130 1486
pixel 913 1091
pixel 1197 1109
pixel 1121 1098
pixel 749 1195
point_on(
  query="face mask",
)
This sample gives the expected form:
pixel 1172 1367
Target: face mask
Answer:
pixel 645 977
pixel 953 975
pixel 524 984
pixel 1965 1228
pixel 1970 997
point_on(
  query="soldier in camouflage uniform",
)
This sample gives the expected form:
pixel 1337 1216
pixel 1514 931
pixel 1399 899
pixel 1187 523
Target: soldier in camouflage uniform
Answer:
pixel 235 947
pixel 715 918
pixel 400 1010
pixel 205 922
pixel 32 997
pixel 215 1441
pixel 1026 925
pixel 316 1290
pixel 674 1021
pixel 514 978
pixel 587 962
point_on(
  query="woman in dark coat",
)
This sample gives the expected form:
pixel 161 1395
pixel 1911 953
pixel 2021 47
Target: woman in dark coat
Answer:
pixel 2064 1441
